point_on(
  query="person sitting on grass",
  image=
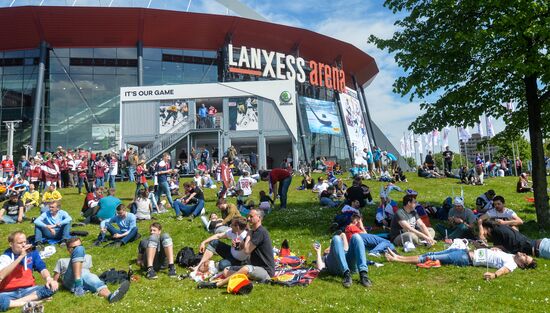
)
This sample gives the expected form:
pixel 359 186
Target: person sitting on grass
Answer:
pixel 127 228
pixel 512 241
pixel 494 258
pixel 192 204
pixel 48 197
pixel 327 198
pixel 232 255
pixel 258 245
pixel 155 252
pixel 461 222
pixel 386 210
pixel 484 202
pixel 107 206
pixel 31 198
pixel 76 276
pixel 17 285
pixel 500 215
pixel 341 259
pixel 12 210
pixel 228 211
pixel 266 203
pixel 91 205
pixel 143 206
pixel 54 224
pixel 406 225
pixel 358 191
pixel 307 183
pixel 375 244
pixel 523 184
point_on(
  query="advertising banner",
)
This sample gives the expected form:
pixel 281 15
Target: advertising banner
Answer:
pixel 243 113
pixel 172 113
pixel 322 116
pixel 355 124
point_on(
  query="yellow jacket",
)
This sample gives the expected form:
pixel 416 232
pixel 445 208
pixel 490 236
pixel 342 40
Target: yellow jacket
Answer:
pixel 51 196
pixel 31 198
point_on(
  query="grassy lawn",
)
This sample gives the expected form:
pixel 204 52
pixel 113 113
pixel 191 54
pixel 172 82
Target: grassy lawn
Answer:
pixel 396 287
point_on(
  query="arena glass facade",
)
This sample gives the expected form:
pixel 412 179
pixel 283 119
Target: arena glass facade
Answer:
pixel 80 98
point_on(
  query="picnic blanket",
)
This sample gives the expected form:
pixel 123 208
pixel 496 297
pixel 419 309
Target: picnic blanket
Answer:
pixel 291 271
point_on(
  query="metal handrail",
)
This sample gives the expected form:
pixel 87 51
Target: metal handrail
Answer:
pixel 166 140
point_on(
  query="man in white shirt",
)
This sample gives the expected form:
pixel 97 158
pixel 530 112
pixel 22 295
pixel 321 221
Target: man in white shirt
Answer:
pixel 494 258
pixel 500 215
pixel 245 184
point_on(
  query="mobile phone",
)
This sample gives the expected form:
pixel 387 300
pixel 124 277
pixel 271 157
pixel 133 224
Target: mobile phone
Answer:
pixel 317 245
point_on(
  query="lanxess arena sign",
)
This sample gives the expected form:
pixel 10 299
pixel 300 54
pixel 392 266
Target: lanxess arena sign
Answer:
pixel 270 64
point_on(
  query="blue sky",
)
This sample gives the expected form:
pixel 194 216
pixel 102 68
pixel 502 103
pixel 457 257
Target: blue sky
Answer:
pixel 352 21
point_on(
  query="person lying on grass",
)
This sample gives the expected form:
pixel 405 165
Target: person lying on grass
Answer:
pixel 494 258
pixel 76 276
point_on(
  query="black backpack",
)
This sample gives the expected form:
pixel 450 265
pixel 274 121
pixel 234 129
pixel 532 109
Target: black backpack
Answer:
pixel 113 276
pixel 186 257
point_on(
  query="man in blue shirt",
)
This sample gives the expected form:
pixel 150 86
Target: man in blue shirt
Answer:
pixel 108 205
pixel 370 162
pixel 127 228
pixel 393 161
pixel 53 224
pixel 377 156
pixel 203 113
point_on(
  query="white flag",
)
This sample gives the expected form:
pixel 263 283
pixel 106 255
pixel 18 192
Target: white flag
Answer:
pixel 509 106
pixel 411 142
pixel 408 148
pixel 490 129
pixel 402 143
pixel 428 142
pixel 446 131
pixel 464 134
pixel 435 134
pixel 418 141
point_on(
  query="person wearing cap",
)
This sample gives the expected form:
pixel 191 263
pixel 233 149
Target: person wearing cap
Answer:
pixel 461 221
pixel 54 224
pixel 13 210
pixel 406 225
pixel 485 202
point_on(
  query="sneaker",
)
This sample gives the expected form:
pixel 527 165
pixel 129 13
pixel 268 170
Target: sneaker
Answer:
pixel 206 285
pixel 375 254
pixel 346 282
pixel 32 307
pixel 191 217
pixel 172 272
pixel 429 264
pixel 79 291
pixel 151 274
pixel 179 218
pixel 435 264
pixel 118 294
pixel 364 279
pixel 203 211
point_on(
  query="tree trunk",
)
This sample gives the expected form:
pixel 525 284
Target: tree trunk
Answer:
pixel 537 152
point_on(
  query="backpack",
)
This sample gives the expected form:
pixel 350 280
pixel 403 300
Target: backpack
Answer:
pixel 113 276
pixel 239 284
pixel 186 257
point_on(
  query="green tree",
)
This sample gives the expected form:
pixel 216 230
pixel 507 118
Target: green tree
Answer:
pixel 411 162
pixel 510 146
pixel 465 58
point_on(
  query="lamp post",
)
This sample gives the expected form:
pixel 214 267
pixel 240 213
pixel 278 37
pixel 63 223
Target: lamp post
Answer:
pixel 10 125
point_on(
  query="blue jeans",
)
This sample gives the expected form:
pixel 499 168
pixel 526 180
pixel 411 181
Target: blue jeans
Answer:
pixel 111 179
pixel 99 182
pixel 187 210
pixel 131 172
pixel 224 251
pixel 82 181
pixel 339 261
pixel 329 202
pixel 5 297
pixel 10 219
pixel 63 232
pixel 90 281
pixel 544 248
pixel 376 244
pixel 164 188
pixel 283 190
pixel 132 235
pixel 456 257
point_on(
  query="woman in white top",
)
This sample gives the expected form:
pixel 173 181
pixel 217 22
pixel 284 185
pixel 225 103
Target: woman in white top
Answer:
pixel 143 206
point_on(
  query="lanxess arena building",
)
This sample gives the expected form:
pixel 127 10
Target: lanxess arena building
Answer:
pixel 106 78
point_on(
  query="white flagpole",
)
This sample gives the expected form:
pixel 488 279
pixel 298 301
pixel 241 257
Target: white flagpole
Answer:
pixel 459 150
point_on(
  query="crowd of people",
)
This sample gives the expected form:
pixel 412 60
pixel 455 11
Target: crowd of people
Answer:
pixel 235 232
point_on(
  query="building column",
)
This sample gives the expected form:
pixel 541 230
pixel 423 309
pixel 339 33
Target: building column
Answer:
pixel 262 152
pixel 346 134
pixel 140 62
pixel 38 96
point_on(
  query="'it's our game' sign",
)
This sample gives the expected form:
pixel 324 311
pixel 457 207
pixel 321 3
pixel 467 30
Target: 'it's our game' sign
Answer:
pixel 270 64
